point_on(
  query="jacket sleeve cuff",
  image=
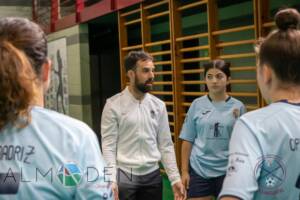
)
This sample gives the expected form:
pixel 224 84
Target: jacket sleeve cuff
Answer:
pixel 178 179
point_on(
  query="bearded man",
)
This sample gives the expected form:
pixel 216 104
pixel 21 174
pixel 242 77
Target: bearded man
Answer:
pixel 136 136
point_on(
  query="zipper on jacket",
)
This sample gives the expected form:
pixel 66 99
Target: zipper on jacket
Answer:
pixel 141 134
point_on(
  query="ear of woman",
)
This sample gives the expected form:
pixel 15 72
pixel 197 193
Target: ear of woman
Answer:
pixel 267 75
pixel 47 66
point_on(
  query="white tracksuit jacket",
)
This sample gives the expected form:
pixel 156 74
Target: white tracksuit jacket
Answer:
pixel 136 136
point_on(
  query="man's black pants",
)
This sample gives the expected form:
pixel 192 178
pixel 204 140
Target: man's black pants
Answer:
pixel 145 187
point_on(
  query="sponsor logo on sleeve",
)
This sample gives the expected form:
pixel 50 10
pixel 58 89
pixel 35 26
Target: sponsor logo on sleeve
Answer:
pixel 236 160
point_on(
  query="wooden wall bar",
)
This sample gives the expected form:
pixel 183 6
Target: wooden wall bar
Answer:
pixel 195 32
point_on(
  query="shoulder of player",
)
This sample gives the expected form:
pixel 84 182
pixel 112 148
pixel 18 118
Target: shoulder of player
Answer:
pixel 115 98
pixel 236 101
pixel 155 100
pixel 260 116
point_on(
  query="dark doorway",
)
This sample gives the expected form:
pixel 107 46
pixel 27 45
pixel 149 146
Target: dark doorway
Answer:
pixel 104 62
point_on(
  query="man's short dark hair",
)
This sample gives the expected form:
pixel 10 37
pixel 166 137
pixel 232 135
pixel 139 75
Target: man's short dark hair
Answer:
pixel 133 57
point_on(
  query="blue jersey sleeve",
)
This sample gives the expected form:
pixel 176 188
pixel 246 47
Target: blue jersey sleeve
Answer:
pixel 242 172
pixel 94 184
pixel 188 131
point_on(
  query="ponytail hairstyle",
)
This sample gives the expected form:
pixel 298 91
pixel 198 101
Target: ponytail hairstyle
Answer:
pixel 280 50
pixel 220 65
pixel 23 50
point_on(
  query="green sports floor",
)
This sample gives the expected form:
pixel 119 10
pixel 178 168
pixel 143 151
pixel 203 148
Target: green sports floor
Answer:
pixel 167 189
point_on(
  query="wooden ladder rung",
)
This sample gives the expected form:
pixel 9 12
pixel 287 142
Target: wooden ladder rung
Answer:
pixel 132 47
pixel 244 68
pixel 161 93
pixel 150 44
pixel 163 73
pixel 171 113
pixel 169 62
pixel 243 81
pixel 192 71
pixel 194 48
pixel 193 93
pixel 268 24
pixel 235 43
pixel 192 82
pixel 155 4
pixel 158 15
pixel 169 103
pixel 232 30
pixel 125 14
pixel 239 55
pixel 243 94
pixel 181 8
pixel 189 60
pixel 190 37
pixel 132 22
pixel 160 53
pixel 186 104
pixel 162 83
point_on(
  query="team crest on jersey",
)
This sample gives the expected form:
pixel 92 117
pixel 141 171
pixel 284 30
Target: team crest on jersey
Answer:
pixel 152 112
pixel 205 112
pixel 272 173
pixel 236 113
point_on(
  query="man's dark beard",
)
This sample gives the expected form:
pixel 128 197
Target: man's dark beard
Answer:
pixel 142 87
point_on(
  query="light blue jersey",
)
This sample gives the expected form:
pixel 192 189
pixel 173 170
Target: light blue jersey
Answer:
pixel 264 161
pixel 54 157
pixel 208 125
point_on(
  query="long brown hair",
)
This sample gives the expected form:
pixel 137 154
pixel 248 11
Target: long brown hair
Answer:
pixel 23 50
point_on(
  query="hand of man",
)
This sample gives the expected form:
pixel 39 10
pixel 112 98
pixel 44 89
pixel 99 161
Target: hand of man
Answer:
pixel 115 191
pixel 179 191
pixel 185 179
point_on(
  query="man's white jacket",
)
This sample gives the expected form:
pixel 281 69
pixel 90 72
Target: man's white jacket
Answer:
pixel 136 136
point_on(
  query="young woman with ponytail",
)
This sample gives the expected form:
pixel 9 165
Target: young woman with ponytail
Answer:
pixel 264 152
pixel 43 154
